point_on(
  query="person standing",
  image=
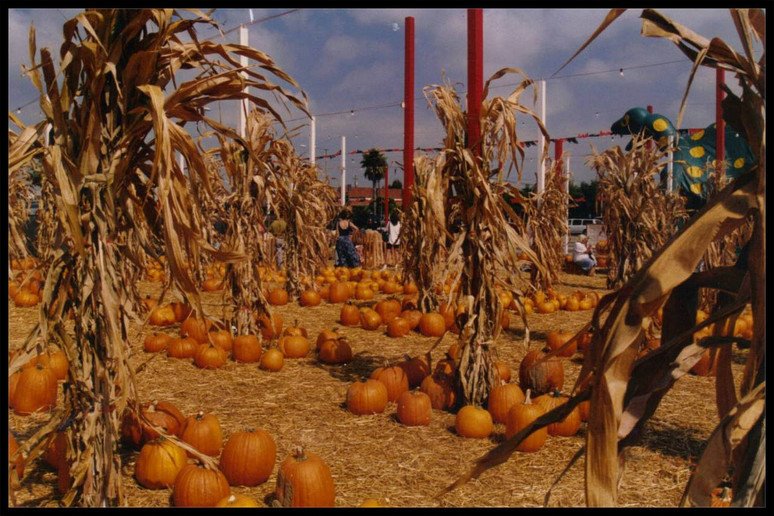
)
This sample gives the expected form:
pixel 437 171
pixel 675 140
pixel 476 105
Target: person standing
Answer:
pixel 346 254
pixel 393 237
pixel 278 228
pixel 582 255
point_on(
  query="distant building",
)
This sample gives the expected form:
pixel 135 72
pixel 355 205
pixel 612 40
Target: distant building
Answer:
pixel 363 195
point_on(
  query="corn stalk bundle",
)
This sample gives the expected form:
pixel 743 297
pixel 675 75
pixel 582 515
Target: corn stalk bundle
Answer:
pixel 306 204
pixel 49 231
pixel 485 242
pixel 22 148
pixel 546 223
pixel 117 120
pixel 639 216
pixel 624 391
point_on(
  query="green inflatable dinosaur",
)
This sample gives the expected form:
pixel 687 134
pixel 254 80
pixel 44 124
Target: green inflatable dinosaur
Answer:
pixel 694 151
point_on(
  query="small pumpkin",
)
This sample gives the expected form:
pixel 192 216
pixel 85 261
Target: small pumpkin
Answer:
pixel 441 391
pixel 295 330
pixel 326 335
pixel 159 463
pixel 309 298
pixel 156 342
pixel 414 408
pixel 210 356
pixel 223 339
pixel 25 299
pixel 367 397
pixel 335 351
pixel 394 379
pixel 197 329
pixel 416 369
pixel 248 457
pixel 197 486
pixel 304 480
pixel 388 309
pixel 370 319
pixel 338 292
pixel 294 346
pixel 557 339
pixel 182 348
pixel 272 360
pixel 162 414
pixel 246 349
pixel 519 417
pixel 212 285
pixel 271 328
pixel 203 432
pixel 412 317
pixel 278 297
pixel 398 327
pixel 432 324
pixel 35 390
pixel 503 371
pixel 501 399
pixel 473 422
pixel 568 426
pixel 162 316
pixel 349 315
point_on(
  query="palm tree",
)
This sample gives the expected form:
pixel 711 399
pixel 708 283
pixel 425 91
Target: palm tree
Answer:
pixel 374 163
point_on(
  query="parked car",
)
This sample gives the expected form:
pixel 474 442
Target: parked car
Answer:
pixel 577 226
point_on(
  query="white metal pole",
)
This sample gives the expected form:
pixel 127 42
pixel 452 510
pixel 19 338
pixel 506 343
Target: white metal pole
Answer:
pixel 243 40
pixel 343 169
pixel 670 164
pixel 312 142
pixel 541 175
pixel 567 186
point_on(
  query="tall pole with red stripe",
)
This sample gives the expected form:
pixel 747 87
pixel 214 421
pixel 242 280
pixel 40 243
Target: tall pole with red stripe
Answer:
pixel 386 194
pixel 408 115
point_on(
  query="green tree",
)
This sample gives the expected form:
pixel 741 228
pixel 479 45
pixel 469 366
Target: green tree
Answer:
pixel 373 164
pixel 585 195
pixel 396 184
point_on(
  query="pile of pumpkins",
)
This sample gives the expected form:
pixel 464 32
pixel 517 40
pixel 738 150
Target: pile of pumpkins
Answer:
pixel 25 288
pixel 34 387
pixel 210 347
pixel 246 458
pixel 416 392
pixel 550 301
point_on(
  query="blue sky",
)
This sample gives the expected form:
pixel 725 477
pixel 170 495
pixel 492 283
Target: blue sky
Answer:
pixel 353 59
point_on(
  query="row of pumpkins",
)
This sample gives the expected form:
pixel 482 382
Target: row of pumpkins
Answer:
pixel 25 288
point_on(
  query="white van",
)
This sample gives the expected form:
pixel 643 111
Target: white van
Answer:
pixel 576 226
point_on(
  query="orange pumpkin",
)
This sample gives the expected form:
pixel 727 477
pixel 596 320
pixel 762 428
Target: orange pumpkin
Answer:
pixel 278 297
pixel 349 315
pixel 246 349
pixel 36 390
pixel 473 422
pixel 568 426
pixel 557 339
pixel 367 397
pixel 501 399
pixel 203 432
pixel 414 408
pixel 540 376
pixel 309 298
pixel 370 319
pixel 394 378
pixel 248 457
pixel 335 351
pixel 432 324
pixel 294 346
pixel 519 417
pixel 156 342
pixel 441 391
pixel 398 327
pixel 159 463
pixel 272 360
pixel 197 486
pixel 304 480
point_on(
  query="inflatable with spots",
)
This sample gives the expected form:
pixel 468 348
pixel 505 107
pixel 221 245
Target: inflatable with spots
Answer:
pixel 694 151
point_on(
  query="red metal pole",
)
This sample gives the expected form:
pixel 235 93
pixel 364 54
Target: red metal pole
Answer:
pixel 408 116
pixel 558 144
pixel 386 194
pixel 720 124
pixel 475 77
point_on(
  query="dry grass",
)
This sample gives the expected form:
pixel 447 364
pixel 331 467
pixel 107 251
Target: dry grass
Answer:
pixel 375 456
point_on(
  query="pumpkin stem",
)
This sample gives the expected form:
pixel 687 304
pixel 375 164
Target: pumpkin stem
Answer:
pixel 200 415
pixel 298 453
pixel 527 398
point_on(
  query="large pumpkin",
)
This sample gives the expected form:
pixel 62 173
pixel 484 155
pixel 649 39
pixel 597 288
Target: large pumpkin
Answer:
pixel 162 414
pixel 335 351
pixel 519 417
pixel 441 391
pixel 272 360
pixel 416 369
pixel 197 486
pixel 222 339
pixel 394 379
pixel 338 292
pixel 210 356
pixel 203 432
pixel 35 390
pixel 367 397
pixel 184 347
pixel 388 309
pixel 432 324
pixel 159 463
pixel 349 315
pixel 156 342
pixel 305 480
pixel 414 408
pixel 294 346
pixel 248 457
pixel 501 399
pixel 247 349
pixel 540 376
pixel 568 426
pixel 309 298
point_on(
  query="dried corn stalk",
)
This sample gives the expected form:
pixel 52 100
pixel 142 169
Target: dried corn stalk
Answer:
pixel 625 392
pixel 115 132
pixel 485 241
pixel 22 149
pixel 639 216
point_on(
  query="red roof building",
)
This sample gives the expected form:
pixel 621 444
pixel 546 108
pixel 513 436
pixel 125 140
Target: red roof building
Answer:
pixel 363 195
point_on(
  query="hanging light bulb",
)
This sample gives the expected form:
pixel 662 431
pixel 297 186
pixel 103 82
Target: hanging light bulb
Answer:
pixel 596 115
pixel 620 71
pixel 395 27
pixel 18 111
pixel 352 112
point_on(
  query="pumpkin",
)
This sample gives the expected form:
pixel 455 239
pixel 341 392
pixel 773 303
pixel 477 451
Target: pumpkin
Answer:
pixel 203 432
pixel 197 486
pixel 13 289
pixel 326 335
pixel 222 338
pixel 412 317
pixel 210 356
pixel 557 339
pixel 271 328
pixel 246 348
pixel 473 422
pixel 519 417
pixel 181 311
pixel 149 303
pixel 338 292
pixel 197 329
pixel 294 346
pixel 398 327
pixel 295 330
pixel 18 462
pixel 568 426
pixel 388 309
pixel 335 351
pixel 721 496
pixel 349 315
pixel 501 399
pixel 584 342
pixel 416 369
pixel 237 500
pixel 304 480
pixel 159 463
pixel 410 302
pixel 182 348
pixel 53 358
pixel 410 288
pixel 394 378
pixel 503 371
pixel 162 414
pixel 35 390
pixel 25 298
pixel 540 377
pixel 272 360
pixel 414 408
pixel 248 457
pixel 370 319
pixel 363 292
pixel 367 397
pixel 432 324
pixel 441 391
pixel 309 298
pixel 162 316
pixel 449 313
pixel 371 502
pixel 278 297
pixel 212 285
pixel 156 342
